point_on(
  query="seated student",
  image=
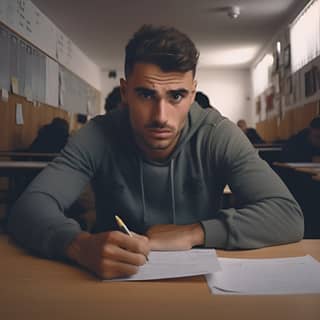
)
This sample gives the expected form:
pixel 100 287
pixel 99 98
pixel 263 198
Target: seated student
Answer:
pixel 113 100
pixel 51 138
pixel 251 133
pixel 202 100
pixel 161 164
pixel 305 145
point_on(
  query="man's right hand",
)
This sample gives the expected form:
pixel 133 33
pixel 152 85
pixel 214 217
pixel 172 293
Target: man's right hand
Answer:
pixel 111 254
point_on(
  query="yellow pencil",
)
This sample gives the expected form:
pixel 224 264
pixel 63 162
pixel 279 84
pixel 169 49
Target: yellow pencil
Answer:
pixel 124 228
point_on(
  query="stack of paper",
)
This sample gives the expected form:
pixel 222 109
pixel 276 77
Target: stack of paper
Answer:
pixel 174 264
pixel 297 275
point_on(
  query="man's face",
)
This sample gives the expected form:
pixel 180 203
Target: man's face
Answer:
pixel 158 105
pixel 314 137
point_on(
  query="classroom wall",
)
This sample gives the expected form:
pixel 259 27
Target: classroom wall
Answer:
pixel 15 136
pixel 229 91
pixel 33 25
pixel 291 98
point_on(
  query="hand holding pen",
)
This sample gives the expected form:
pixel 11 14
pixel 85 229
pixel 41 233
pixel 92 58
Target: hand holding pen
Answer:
pixel 110 254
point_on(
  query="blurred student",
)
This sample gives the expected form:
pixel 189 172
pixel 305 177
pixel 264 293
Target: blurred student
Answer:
pixel 202 100
pixel 51 138
pixel 305 145
pixel 251 133
pixel 113 100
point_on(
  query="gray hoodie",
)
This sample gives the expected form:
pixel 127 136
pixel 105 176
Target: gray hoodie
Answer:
pixel 185 189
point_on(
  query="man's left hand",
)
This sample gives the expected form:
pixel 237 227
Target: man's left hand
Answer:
pixel 175 237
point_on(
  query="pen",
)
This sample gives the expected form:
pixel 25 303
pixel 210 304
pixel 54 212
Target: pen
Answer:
pixel 124 228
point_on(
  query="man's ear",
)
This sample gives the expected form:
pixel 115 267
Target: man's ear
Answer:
pixel 123 90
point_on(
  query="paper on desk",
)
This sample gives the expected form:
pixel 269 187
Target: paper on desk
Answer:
pixel 296 275
pixel 175 264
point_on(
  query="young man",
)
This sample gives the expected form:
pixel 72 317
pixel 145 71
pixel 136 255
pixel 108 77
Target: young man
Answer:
pixel 161 164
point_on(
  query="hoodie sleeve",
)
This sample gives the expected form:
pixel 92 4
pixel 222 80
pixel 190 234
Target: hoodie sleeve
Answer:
pixel 37 219
pixel 267 213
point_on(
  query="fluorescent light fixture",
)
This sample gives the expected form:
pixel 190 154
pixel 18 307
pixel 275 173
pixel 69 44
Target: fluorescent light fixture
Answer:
pixel 227 57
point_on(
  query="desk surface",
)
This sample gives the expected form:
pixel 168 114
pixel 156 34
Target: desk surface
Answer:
pixel 23 164
pixel 18 154
pixel 298 165
pixel 34 288
pixel 13 168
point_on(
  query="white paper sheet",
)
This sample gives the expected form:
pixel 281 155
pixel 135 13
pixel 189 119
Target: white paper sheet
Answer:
pixel 4 95
pixel 52 82
pixel 19 114
pixel 175 264
pixel 298 275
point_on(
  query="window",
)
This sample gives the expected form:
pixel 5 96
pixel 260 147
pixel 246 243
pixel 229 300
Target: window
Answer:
pixel 261 74
pixel 305 36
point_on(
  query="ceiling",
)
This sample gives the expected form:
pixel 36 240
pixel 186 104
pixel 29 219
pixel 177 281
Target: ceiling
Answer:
pixel 101 28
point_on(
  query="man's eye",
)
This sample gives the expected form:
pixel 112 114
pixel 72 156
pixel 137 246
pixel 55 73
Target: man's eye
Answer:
pixel 146 95
pixel 176 97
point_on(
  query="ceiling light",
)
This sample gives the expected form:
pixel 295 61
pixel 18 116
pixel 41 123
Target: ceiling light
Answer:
pixel 233 12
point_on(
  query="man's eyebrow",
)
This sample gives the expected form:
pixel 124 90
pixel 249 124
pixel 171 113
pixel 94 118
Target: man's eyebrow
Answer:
pixel 182 91
pixel 144 89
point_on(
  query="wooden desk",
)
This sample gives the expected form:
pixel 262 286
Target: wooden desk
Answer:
pixel 34 288
pixel 9 168
pixel 298 165
pixel 17 154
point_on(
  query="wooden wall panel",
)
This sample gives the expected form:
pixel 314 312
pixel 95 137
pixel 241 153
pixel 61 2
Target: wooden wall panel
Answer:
pixel 267 129
pixel 293 121
pixel 285 127
pixel 15 137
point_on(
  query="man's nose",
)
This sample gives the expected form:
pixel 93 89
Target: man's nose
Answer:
pixel 160 111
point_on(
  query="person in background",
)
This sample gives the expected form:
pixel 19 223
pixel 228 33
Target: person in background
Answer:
pixel 251 133
pixel 202 100
pixel 113 100
pixel 305 145
pixel 161 164
pixel 51 138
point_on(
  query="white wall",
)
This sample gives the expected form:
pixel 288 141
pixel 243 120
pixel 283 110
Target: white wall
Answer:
pixel 229 90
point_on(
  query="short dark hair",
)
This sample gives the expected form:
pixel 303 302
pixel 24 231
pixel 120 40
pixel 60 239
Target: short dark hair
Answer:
pixel 315 123
pixel 113 99
pixel 165 47
pixel 202 100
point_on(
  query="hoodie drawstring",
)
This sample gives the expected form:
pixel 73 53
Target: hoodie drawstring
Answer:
pixel 173 200
pixel 142 192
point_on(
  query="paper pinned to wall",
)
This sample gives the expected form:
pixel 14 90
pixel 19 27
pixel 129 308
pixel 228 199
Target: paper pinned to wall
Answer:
pixel 52 82
pixel 4 95
pixel 15 85
pixel 19 114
